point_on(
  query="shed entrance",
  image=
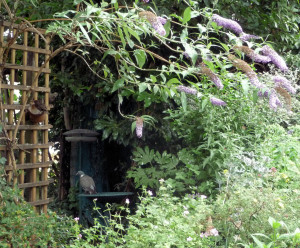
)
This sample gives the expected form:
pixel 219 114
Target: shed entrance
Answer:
pixel 24 106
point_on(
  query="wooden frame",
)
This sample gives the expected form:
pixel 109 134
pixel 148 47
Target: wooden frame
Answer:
pixel 24 66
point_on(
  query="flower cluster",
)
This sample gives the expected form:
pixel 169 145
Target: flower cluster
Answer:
pixel 242 65
pixel 217 101
pixel 139 127
pixel 187 90
pixel 284 83
pixel 275 58
pixel 253 55
pixel 156 21
pixel 284 94
pixel 213 77
pixel 210 232
pixel 146 1
pixel 274 101
pixel 246 37
pixel 227 23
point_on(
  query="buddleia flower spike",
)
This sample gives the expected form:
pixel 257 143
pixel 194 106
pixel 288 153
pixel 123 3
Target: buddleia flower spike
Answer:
pixel 139 126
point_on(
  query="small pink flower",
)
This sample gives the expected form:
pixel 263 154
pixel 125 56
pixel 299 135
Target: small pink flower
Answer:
pixel 79 236
pixel 76 219
pixel 273 169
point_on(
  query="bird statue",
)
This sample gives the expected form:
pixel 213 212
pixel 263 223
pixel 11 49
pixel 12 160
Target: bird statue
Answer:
pixel 87 183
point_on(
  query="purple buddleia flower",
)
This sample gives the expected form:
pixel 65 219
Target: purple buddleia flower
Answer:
pixel 217 81
pixel 139 127
pixel 263 93
pixel 162 20
pixel 284 83
pixel 159 28
pixel 187 90
pixel 245 37
pixel 213 77
pixel 274 102
pixel 227 23
pixel 156 21
pixel 275 58
pixel 259 58
pixel 254 80
pixel 217 101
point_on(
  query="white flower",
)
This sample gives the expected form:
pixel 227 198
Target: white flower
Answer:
pixel 186 212
pixel 203 196
pixel 189 239
pixel 127 201
pixel 166 222
pixel 150 192
pixel 214 232
pixel 161 180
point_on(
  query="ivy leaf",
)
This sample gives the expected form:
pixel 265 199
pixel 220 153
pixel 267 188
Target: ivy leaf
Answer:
pixel 186 15
pixel 140 57
pixel 118 84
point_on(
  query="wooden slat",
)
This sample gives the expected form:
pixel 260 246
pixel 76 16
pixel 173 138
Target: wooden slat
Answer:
pixel 35 184
pixel 41 202
pixel 26 166
pixel 18 106
pixel 28 146
pixel 26 68
pixel 34 30
pixel 29 127
pixel 25 88
pixel 26 48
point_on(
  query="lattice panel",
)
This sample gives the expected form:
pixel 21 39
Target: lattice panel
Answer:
pixel 24 86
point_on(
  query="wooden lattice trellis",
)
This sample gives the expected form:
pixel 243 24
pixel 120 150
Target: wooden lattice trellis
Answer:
pixel 24 62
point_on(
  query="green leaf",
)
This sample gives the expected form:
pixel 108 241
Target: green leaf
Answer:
pixel 155 89
pixel 133 126
pixel 183 100
pixel 186 15
pixel 258 242
pixel 85 33
pixel 140 57
pixel 245 86
pixel 191 52
pixel 204 103
pixel 134 34
pixel 153 78
pixel 118 84
pixel 225 47
pixel 121 36
pixel 78 1
pixel 143 87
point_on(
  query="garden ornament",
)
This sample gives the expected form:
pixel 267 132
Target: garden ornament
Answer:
pixel 87 183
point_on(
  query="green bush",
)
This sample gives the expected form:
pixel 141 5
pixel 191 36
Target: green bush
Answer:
pixel 21 226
